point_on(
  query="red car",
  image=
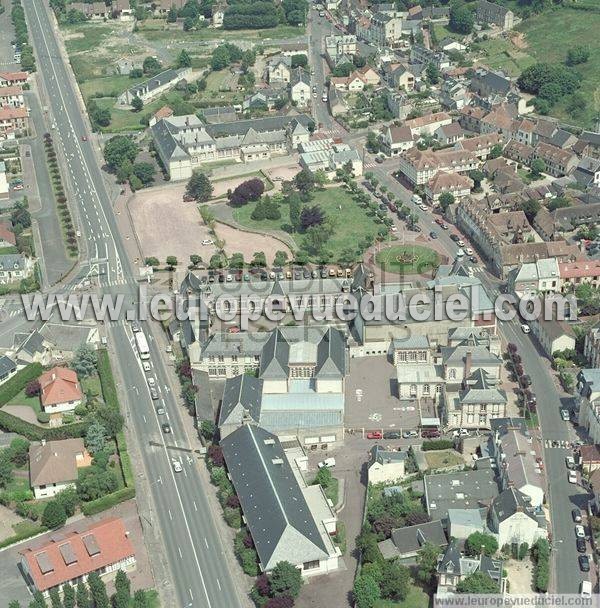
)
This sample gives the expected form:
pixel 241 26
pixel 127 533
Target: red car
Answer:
pixel 374 435
pixel 430 434
pixel 439 221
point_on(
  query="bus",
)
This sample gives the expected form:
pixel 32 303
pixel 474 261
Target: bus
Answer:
pixel 142 345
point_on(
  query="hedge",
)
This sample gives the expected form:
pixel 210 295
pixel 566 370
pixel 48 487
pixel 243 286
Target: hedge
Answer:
pixel 11 388
pixel 437 444
pixel 107 381
pixel 125 460
pixel 108 501
pixel 17 538
pixel 12 424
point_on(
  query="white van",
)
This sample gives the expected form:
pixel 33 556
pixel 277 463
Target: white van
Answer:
pixel 416 199
pixel 586 588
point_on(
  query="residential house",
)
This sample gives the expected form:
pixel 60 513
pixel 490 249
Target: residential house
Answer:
pixel 266 98
pixel 449 134
pixel 7 236
pixel 520 153
pixel 14 121
pixel 4 190
pixel 104 547
pixel 557 162
pixel 60 390
pixel 499 120
pixel 419 166
pixel 481 145
pixel 464 522
pixel 434 13
pixel 352 83
pixel 123 10
pixel 553 335
pixel 164 112
pixel 369 76
pixel 418 374
pixel 486 83
pixel 268 485
pixel 454 95
pixel 385 29
pixel 327 156
pixel 279 69
pixel 185 142
pixel 218 15
pixel 398 104
pixel 470 117
pixel 386 466
pixel 92 10
pixel 31 348
pixel 9 79
pixel 491 13
pixel 428 124
pixel 8 368
pixel 590 454
pixel 300 87
pixel 398 76
pixel 451 44
pixel 456 184
pixel 591 347
pixel 425 56
pixel 586 174
pixel 12 97
pixel 524 132
pixel 453 567
pixel 590 140
pixel 514 521
pixel 154 87
pixel 54 465
pixel 533 278
pixel 406 542
pixel 15 267
pixel 162 7
pixel 395 140
pixel 340 44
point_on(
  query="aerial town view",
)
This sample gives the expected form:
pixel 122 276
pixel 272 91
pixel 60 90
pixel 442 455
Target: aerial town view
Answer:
pixel 299 303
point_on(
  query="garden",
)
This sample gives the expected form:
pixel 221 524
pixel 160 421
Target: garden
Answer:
pixel 408 259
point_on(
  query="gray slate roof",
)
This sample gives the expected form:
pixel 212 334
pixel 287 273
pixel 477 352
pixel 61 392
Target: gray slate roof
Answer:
pixel 411 538
pixel 12 261
pixel 7 366
pixel 241 398
pixel 510 501
pixel 275 509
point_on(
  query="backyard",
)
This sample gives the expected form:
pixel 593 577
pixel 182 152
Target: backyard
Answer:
pixel 408 259
pixel 351 223
pixel 441 459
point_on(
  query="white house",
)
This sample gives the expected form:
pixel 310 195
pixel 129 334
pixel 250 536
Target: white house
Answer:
pixel 60 390
pixel 300 87
pixel 386 466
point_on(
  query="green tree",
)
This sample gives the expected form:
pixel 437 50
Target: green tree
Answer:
pixel 537 166
pixel 96 437
pixel 144 172
pixel 478 582
pixel 184 60
pixel 461 19
pixel 122 596
pixel 6 468
pixel 372 144
pixel 171 261
pixel 38 601
pixel 152 261
pixel 446 199
pixel 172 15
pixel 110 418
pixel 82 596
pixel 137 104
pixel 85 361
pixel 68 596
pixel 14 604
pixel 281 258
pixel 199 187
pixel 124 171
pixel 304 181
pixel 140 599
pixel 496 151
pixel 19 451
pixel 395 581
pixel 432 73
pixel 427 559
pixel 98 591
pixel 68 499
pixel 55 600
pixel 577 55
pixel 477 176
pixel 285 579
pixel 118 149
pixel 195 259
pixel 366 591
pixel 54 515
pixel 295 203
pixel 151 66
pixel 478 542
pixel 259 259
pixel 324 477
pixel 530 207
pixel 220 58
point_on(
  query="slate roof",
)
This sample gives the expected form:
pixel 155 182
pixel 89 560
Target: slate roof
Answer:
pixel 453 562
pixel 155 82
pixel 7 366
pixel 507 503
pixel 410 539
pixel 241 397
pixel 275 509
pixel 480 356
pixel 32 343
pixel 382 456
pixel 12 261
pixel 481 388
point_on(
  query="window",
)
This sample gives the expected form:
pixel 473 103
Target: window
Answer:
pixel 452 374
pixel 221 358
pixel 413 389
pixel 211 358
pixel 311 565
pixel 426 389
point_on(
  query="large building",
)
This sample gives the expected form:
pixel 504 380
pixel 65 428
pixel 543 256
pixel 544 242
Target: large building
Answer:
pixel 154 87
pixel 495 14
pixel 185 142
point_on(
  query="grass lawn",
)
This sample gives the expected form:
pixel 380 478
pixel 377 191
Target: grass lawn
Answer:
pixel 408 259
pixel 22 399
pixel 92 383
pixel 85 36
pixel 6 250
pixel 27 528
pixel 108 86
pixel 351 222
pixel 442 31
pixel 18 489
pixel 440 459
pixel 416 598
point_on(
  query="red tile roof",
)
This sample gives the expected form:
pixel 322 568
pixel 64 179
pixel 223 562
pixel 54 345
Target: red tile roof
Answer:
pixel 14 76
pixel 582 268
pixel 6 234
pixel 10 113
pixel 10 91
pixel 78 554
pixel 59 385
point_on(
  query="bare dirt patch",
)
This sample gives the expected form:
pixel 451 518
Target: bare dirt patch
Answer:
pixel 520 575
pixel 518 39
pixel 238 241
pixel 7 520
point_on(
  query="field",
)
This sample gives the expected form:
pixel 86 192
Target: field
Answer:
pixel 548 36
pixel 351 223
pixel 408 259
pixel 440 459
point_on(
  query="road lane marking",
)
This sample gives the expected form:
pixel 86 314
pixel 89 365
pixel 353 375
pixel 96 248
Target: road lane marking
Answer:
pixel 179 550
pixel 170 515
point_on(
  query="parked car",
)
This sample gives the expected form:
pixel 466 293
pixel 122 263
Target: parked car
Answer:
pixel 392 435
pixel 379 159
pixel 572 477
pixel 433 234
pixel 581 546
pixel 160 410
pixel 207 242
pixel 526 380
pixel 374 435
pixel 177 466
pixel 473 259
pixel 328 463
pixel 525 328
pixel 570 462
pixel 455 237
pixel 460 433
pixel 153 394
pixel 579 531
pixel 586 589
pixel 166 427
pixel 576 514
pixel 584 563
pixel 431 434
pixel 564 414
pixel 468 251
pixel 146 366
pixel 410 434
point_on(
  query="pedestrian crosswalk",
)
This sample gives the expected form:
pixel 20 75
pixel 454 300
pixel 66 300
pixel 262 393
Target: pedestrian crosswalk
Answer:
pixel 334 132
pixel 556 443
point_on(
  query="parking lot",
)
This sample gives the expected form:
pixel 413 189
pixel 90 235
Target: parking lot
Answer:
pixel 372 401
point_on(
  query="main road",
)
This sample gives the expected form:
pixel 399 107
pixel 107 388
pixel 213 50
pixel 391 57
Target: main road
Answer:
pixel 199 571
pixel 562 496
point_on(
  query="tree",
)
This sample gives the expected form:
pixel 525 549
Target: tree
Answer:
pixel 55 600
pixel 124 171
pixel 195 259
pixel 366 591
pixel 259 259
pixel 530 207
pixel 427 559
pixel 137 103
pixel 395 580
pixel 172 15
pixel 478 542
pixel 461 19
pixel 6 468
pixel 220 58
pixel 144 172
pixel 96 437
pixel 38 601
pixel 446 199
pixel 19 451
pixel 110 418
pixel 118 149
pixel 68 499
pixel 478 582
pixel 140 599
pixel 98 591
pixel 477 176
pixel 577 55
pixel 311 216
pixel 576 105
pixel 33 388
pixel 250 190
pixel 152 261
pixel 151 66
pixel 68 596
pixel 299 61
pixel 432 73
pixel 295 203
pixel 14 604
pixel 267 208
pixel 281 258
pixel 536 76
pixel 537 166
pixel 372 143
pixel 184 60
pixel 285 579
pixel 496 151
pixel 54 515
pixel 85 361
pixel 323 477
pixel 199 187
pixel 279 601
pixel 208 429
pixel 82 596
pixel 304 181
pixel 171 261
pixel 122 596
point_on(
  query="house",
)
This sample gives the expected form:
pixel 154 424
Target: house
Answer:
pixel 586 174
pixel 300 519
pixel 419 166
pixel 218 15
pixel 557 162
pixel 480 145
pixel 418 374
pixel 553 335
pixel 92 10
pixel 31 348
pixel 15 267
pixel 185 142
pixel 471 116
pixel 453 567
pixel 60 390
pixel 591 347
pixel 516 463
pixel 7 236
pixel 590 140
pixel 456 184
pixel 328 156
pixel 54 465
pixel 398 76
pixel 454 95
pixel 369 76
pixel 385 29
pixel 386 466
pixel 464 522
pixel 340 44
pixel 9 79
pixel 427 125
pixel 12 97
pixel 164 112
pixel 449 134
pixel 300 87
pixel 520 153
pixel 154 87
pixel 425 56
pixel 123 10
pixel 395 140
pixel 486 83
pixel 162 7
pixel 406 542
pixel 13 121
pixel 279 69
pixel 104 547
pixel 4 194
pixel 533 278
pixel 263 99
pixel 8 368
pixel 451 44
pixel 513 520
pixel 590 456
pixel 494 14
pixel 126 66
pixel 398 104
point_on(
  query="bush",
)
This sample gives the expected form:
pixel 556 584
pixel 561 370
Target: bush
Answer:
pixel 54 515
pixel 107 381
pixel 43 417
pixel 108 501
pixel 233 517
pixel 12 424
pixel 26 533
pixel 541 556
pixel 11 388
pixel 437 444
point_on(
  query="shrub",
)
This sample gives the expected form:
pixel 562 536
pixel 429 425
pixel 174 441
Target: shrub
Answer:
pixel 54 515
pixel 437 444
pixel 43 417
pixel 108 501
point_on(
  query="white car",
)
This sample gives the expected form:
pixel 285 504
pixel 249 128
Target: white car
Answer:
pixel 460 253
pixel 468 251
pixel 460 433
pixel 579 531
pixel 151 382
pixel 417 199
pixel 572 477
pixel 525 328
pixel 570 462
pixel 423 207
pixel 460 243
pixel 394 228
pixel 328 463
pixel 208 242
pixel 586 589
pixel 146 366
pixel 177 466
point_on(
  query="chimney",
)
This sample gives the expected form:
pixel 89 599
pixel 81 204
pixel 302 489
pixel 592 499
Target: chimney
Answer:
pixel 468 363
pixel 53 376
pixel 43 442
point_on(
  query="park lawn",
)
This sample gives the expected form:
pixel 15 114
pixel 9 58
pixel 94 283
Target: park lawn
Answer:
pixel 439 459
pixel 416 598
pixel 242 215
pixel 408 259
pixel 22 399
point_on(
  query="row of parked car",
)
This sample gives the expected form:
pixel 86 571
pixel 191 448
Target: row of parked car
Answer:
pixel 278 273
pixel 425 434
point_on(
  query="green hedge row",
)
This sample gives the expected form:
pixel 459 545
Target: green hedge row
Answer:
pixel 437 444
pixel 17 538
pixel 125 460
pixel 11 388
pixel 12 424
pixel 107 381
pixel 108 501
